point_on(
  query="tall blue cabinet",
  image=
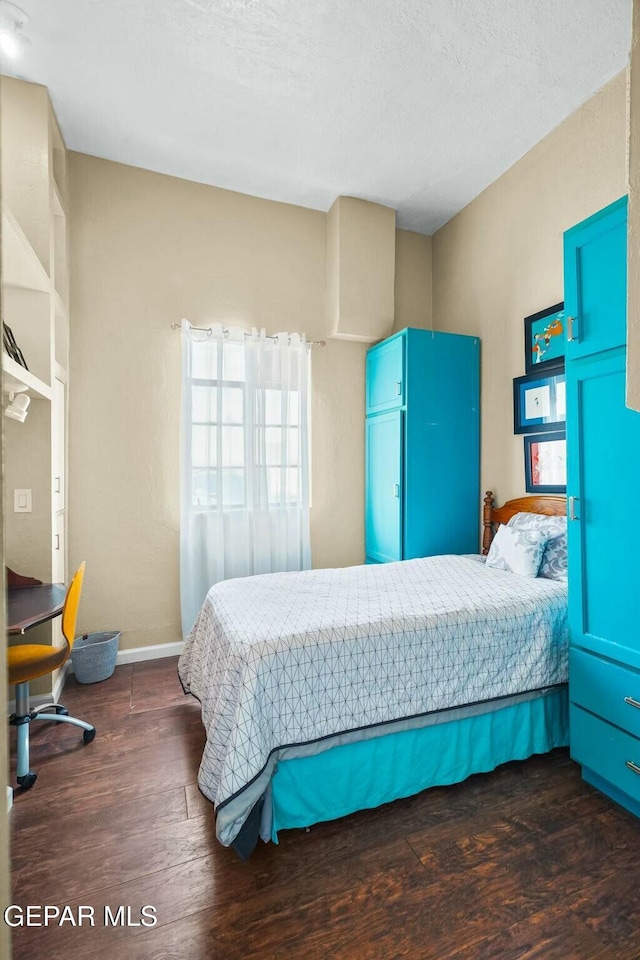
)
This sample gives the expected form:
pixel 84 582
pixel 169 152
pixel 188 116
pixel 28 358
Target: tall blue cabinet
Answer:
pixel 422 446
pixel 603 455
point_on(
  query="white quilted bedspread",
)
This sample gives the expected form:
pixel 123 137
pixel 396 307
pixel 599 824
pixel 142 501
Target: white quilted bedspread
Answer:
pixel 289 658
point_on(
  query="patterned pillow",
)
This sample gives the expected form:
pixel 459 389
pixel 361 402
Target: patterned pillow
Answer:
pixel 518 550
pixel 554 564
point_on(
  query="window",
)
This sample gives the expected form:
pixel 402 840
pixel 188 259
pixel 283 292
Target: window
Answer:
pixel 246 437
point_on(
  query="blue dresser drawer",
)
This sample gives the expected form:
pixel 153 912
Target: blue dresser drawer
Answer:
pixel 605 750
pixel 607 689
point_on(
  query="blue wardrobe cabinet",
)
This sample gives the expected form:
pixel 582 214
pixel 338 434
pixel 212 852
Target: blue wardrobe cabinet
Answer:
pixel 422 446
pixel 603 457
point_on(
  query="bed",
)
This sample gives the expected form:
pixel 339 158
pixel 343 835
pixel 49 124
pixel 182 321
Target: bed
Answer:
pixel 329 691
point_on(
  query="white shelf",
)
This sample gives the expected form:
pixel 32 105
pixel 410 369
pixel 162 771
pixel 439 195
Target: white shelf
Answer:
pixel 20 264
pixel 13 375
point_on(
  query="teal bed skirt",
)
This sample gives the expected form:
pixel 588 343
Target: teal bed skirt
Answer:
pixel 361 775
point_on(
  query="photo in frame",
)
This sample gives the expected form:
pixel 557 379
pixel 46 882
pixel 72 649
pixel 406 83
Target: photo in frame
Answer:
pixel 539 402
pixel 544 338
pixel 545 463
pixel 11 347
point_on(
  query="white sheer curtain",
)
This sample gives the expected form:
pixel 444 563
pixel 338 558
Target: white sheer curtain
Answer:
pixel 245 458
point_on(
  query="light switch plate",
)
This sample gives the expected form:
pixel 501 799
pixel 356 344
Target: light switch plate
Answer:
pixel 22 501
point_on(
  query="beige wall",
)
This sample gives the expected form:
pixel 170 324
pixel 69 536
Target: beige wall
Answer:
pixel 500 259
pixel 633 359
pixel 146 250
pixel 413 282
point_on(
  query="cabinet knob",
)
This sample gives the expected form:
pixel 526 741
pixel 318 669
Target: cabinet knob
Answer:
pixel 57 541
pixel 632 702
pixel 398 387
pixel 572 508
pixel 570 332
pixel 633 766
pixel 396 490
pixel 56 489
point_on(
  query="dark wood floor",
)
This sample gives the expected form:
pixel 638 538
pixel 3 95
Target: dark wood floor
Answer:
pixel 526 862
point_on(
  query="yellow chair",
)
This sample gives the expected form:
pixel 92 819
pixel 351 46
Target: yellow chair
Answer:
pixel 30 660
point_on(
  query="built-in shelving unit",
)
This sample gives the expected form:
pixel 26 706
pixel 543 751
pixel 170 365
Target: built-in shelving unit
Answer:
pixel 35 303
pixel 15 378
pixel 58 205
pixel 21 266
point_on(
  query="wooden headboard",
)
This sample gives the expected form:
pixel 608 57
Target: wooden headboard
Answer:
pixel 492 515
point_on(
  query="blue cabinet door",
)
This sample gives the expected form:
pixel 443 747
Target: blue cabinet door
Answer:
pixel 595 282
pixel 385 375
pixel 383 520
pixel 442 441
pixel 603 456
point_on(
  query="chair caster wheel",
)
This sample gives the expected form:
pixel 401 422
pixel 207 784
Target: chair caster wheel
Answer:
pixel 61 711
pixel 28 780
pixel 88 735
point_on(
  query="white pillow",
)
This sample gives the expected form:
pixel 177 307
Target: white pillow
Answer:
pixel 554 564
pixel 517 550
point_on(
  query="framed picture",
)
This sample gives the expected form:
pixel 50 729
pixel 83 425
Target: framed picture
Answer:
pixel 544 338
pixel 545 463
pixel 11 347
pixel 539 402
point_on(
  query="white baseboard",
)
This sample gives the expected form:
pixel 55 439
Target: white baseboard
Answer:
pixel 156 652
pixel 137 654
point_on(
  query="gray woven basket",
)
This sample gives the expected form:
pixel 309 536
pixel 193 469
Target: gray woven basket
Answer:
pixel 94 656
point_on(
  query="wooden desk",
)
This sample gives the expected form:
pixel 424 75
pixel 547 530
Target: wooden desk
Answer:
pixel 29 606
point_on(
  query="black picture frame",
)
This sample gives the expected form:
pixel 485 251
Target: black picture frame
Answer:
pixel 544 338
pixel 11 347
pixel 542 392
pixel 540 477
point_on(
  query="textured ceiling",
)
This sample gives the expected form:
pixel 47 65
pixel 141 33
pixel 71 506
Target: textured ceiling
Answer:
pixel 417 104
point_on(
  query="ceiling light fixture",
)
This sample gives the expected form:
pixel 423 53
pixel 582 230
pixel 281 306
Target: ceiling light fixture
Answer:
pixel 12 19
